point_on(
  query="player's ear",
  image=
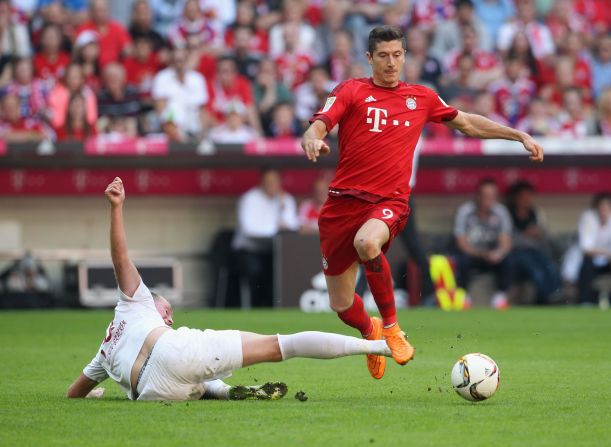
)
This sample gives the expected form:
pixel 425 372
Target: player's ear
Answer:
pixel 369 57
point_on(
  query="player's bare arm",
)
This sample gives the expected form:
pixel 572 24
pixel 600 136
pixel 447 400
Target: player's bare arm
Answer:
pixel 312 141
pixel 477 126
pixel 125 270
pixel 81 387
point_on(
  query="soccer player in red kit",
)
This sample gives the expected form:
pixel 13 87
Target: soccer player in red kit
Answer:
pixel 380 120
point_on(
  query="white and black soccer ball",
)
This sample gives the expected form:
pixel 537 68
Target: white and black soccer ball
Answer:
pixel 475 377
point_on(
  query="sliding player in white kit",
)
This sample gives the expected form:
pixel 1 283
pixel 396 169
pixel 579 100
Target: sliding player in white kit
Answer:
pixel 152 361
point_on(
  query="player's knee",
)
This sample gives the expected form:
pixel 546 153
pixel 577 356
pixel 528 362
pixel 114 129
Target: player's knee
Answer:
pixel 340 303
pixel 367 248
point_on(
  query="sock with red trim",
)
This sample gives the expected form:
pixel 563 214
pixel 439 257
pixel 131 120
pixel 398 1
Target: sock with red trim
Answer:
pixel 379 279
pixel 356 317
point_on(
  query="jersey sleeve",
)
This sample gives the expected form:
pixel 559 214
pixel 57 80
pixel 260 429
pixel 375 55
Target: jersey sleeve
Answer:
pixel 142 294
pixel 95 371
pixel 439 111
pixel 336 105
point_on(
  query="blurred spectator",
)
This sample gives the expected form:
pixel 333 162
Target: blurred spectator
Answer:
pixel 601 66
pixel 141 25
pixel 483 104
pixel 263 212
pixel 165 14
pixel 604 113
pixel 293 27
pixel 50 63
pixel 342 57
pixel 531 245
pixel 246 61
pixel 363 16
pixel 76 126
pixel 539 121
pixel 521 49
pixel 269 13
pixel 14 128
pixel 562 20
pixel 513 91
pixel 194 23
pixel 284 123
pixel 334 17
pixel 245 17
pixel 462 85
pixel 118 101
pixel 73 85
pixel 33 94
pixel 482 231
pixel 268 91
pixel 309 210
pixel 142 66
pixel 449 34
pixel 310 95
pixel 572 46
pixel 234 130
pixel 14 41
pixel 427 14
pixel 564 78
pixel 86 53
pixel 180 95
pixel 412 72
pixel 493 14
pixel 228 90
pixel 294 63
pixel 113 38
pixel 417 48
pixel 591 255
pixel 574 120
pixel 224 12
pixel 52 12
pixel 486 66
pixel 596 13
pixel 74 12
pixel 537 33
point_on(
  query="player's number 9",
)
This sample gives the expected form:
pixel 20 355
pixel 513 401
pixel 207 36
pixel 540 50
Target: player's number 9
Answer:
pixel 387 213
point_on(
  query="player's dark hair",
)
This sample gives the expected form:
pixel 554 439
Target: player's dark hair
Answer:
pixel 600 197
pixel 385 33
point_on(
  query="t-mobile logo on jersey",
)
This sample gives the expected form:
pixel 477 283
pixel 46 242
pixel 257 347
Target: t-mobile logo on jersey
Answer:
pixel 379 118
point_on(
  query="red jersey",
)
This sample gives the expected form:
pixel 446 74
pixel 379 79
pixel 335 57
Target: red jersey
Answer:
pixel 378 131
pixel 50 70
pixel 112 41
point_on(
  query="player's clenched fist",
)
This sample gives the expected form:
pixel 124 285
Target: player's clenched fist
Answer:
pixel 115 192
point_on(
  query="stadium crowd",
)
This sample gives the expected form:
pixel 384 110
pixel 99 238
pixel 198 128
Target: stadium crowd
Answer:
pixel 233 70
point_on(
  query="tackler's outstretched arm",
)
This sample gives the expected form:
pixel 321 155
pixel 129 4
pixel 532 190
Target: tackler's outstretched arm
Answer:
pixel 127 275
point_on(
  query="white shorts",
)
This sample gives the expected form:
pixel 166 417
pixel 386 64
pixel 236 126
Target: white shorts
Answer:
pixel 182 360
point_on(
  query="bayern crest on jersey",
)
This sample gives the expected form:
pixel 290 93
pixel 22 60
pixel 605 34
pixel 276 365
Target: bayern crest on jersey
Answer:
pixel 410 102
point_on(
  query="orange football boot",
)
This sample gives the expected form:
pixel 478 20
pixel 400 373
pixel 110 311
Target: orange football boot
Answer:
pixel 376 364
pixel 401 350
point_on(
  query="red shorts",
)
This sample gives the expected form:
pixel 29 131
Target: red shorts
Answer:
pixel 341 218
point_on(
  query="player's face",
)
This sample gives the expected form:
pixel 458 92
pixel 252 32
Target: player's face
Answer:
pixel 165 310
pixel 386 62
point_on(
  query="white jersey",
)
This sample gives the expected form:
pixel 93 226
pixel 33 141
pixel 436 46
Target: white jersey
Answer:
pixel 134 320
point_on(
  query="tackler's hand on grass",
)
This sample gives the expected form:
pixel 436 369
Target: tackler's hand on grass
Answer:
pixel 96 393
pixel 115 192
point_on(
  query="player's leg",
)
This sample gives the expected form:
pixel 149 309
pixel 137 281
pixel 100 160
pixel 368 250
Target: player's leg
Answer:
pixel 315 345
pixel 368 243
pixel 219 390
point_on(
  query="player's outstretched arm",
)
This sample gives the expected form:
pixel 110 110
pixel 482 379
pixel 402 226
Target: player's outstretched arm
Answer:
pixel 312 141
pixel 125 270
pixel 81 387
pixel 477 126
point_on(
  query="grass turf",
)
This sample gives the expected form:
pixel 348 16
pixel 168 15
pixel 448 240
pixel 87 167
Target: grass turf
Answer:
pixel 555 385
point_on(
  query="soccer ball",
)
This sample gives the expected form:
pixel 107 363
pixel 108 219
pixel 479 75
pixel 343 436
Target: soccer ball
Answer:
pixel 475 377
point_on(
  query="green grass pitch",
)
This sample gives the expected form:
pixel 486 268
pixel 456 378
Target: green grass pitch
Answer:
pixel 555 385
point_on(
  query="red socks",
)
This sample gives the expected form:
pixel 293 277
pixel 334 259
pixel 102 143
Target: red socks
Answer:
pixel 379 279
pixel 356 317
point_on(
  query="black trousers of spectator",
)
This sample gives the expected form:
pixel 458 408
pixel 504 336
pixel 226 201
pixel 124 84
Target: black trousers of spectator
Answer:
pixel 537 266
pixel 587 273
pixel 504 271
pixel 257 268
pixel 411 242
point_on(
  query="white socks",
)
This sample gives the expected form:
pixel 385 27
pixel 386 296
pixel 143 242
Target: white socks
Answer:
pixel 324 345
pixel 216 389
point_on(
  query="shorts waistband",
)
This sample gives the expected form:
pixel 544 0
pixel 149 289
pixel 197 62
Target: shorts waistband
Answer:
pixel 135 392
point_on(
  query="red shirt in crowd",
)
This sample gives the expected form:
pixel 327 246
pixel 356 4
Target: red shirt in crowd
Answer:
pixel 50 70
pixel 223 99
pixel 482 60
pixel 112 39
pixel 259 44
pixel 513 98
pixel 140 74
pixel 293 68
pixel 378 131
